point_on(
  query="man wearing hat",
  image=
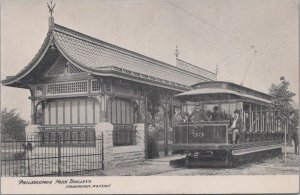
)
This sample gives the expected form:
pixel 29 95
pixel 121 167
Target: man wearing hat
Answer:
pixel 236 126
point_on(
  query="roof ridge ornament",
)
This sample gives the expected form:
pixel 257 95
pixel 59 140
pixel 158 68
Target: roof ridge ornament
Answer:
pixel 51 7
pixel 51 10
pixel 176 52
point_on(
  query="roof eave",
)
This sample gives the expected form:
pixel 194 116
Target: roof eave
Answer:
pixel 14 80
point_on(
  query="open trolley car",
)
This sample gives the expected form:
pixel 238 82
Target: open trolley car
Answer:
pixel 202 121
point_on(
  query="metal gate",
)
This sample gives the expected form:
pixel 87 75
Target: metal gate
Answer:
pixel 52 154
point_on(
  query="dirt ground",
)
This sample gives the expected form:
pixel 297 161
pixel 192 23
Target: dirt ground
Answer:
pixel 269 166
pixel 264 166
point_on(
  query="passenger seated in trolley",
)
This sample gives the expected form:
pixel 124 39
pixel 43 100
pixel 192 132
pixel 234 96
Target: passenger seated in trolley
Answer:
pixel 235 126
pixel 215 116
pixel 199 114
pixel 185 117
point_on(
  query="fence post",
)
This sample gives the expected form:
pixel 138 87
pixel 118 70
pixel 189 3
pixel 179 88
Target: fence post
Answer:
pixel 60 173
pixel 30 132
pixel 28 162
pixel 105 130
pixel 102 151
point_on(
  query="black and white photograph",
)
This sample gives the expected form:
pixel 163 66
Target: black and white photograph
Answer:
pixel 181 91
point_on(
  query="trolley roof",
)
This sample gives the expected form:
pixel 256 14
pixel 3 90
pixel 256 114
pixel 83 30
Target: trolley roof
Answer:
pixel 225 90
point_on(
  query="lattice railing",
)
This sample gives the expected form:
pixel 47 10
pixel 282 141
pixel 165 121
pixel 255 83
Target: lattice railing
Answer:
pixel 96 86
pixel 69 87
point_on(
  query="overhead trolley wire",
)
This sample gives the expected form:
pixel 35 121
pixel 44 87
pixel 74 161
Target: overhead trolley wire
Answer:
pixel 224 32
pixel 233 54
pixel 208 23
pixel 236 53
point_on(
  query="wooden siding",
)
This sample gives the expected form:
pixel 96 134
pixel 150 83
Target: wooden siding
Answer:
pixel 72 111
pixel 122 111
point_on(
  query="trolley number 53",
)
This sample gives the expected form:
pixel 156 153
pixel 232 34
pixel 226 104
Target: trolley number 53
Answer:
pixel 198 134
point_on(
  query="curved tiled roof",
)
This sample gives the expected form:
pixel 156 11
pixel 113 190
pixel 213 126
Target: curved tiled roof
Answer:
pixel 98 56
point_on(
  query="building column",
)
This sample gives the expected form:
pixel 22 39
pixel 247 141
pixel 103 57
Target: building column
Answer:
pixel 33 111
pixel 108 106
pixel 104 103
pixel 101 102
pixel 140 135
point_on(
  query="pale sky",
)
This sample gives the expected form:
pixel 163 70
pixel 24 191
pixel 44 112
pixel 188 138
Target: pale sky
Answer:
pixel 221 32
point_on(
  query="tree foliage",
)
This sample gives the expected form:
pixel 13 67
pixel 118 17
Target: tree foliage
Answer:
pixel 282 98
pixel 12 125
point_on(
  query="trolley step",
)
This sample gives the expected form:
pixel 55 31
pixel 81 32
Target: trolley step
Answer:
pixel 256 149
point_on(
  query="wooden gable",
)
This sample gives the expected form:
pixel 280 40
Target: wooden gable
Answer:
pixel 62 68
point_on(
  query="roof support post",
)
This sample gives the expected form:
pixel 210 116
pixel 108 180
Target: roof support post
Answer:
pixel 250 118
pixel 260 119
pixel 256 121
pixel 146 127
pixel 107 105
pixel 172 120
pixel 33 110
pixel 270 120
pixel 166 107
pixel 267 119
pixel 138 113
pixel 273 122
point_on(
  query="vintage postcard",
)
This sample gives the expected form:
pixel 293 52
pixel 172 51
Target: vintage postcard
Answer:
pixel 162 97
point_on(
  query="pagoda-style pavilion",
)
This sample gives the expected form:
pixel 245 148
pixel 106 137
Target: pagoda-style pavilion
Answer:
pixel 77 81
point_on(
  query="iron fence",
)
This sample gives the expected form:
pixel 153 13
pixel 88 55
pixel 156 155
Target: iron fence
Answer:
pixel 59 155
pixel 124 135
pixel 71 135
